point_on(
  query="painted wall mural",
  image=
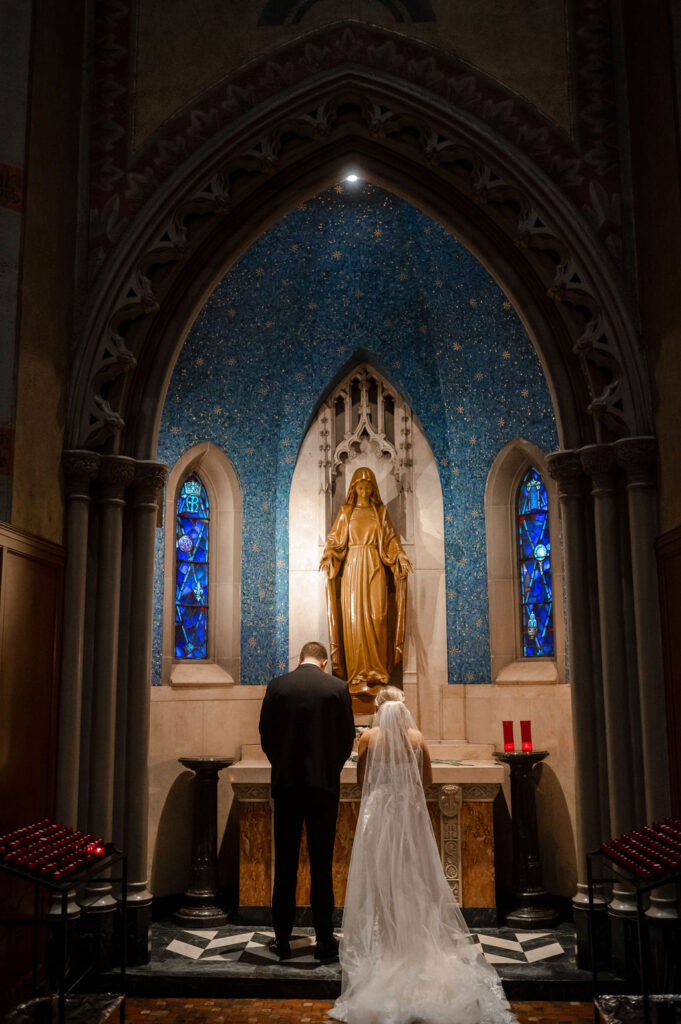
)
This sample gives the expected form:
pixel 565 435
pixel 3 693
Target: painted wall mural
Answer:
pixel 354 273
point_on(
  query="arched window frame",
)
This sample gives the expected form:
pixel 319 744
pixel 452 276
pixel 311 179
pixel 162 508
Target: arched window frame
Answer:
pixel 507 661
pixel 222 664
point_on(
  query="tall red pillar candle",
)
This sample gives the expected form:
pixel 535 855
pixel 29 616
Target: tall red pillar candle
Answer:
pixel 526 735
pixel 509 743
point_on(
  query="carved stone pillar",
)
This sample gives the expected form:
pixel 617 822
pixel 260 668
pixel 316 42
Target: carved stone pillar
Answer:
pixel 638 456
pixel 79 468
pixel 586 687
pixel 599 462
pixel 148 485
pixel 115 474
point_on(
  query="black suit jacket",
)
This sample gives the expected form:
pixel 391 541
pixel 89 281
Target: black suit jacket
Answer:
pixel 306 729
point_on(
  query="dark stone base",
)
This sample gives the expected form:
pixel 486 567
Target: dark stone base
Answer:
pixel 624 958
pixel 601 925
pixel 201 917
pixel 531 918
pixel 664 964
pixel 97 946
pixel 138 933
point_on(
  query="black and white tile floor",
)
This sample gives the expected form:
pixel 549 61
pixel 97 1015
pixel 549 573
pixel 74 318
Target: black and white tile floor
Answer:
pixel 233 944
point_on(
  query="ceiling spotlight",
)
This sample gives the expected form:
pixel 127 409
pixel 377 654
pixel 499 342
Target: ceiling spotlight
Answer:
pixel 352 177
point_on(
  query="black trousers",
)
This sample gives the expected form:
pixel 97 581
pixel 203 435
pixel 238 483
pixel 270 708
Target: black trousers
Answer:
pixel 319 810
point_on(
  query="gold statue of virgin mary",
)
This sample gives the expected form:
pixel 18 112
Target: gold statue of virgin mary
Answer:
pixel 366 591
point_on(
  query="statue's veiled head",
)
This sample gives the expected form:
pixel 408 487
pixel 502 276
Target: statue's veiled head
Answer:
pixel 363 475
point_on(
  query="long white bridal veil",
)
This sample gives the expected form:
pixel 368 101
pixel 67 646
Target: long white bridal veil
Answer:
pixel 406 953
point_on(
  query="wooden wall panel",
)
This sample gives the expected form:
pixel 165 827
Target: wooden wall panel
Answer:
pixel 669 573
pixel 31 582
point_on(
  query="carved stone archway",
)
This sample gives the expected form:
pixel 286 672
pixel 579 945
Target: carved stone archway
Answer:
pixel 528 235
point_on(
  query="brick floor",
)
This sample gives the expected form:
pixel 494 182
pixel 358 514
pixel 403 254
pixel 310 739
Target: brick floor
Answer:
pixel 299 1011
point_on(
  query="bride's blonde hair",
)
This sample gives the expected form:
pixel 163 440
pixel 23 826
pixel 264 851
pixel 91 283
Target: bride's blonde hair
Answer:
pixel 389 693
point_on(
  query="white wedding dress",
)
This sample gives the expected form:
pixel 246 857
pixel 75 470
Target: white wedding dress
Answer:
pixel 406 954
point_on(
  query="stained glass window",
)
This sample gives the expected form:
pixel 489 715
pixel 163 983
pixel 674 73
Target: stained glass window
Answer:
pixel 536 594
pixel 191 582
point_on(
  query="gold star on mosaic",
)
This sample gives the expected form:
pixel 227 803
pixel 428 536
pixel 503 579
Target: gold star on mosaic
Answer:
pixel 478 622
pixel 256 547
pixel 264 389
pixel 336 254
pixel 387 322
pixel 289 458
pixel 474 440
pixel 174 430
pixel 459 409
pixel 438 283
pixel 501 421
pixel 507 305
pixel 265 506
pixel 341 350
pixel 472 302
pixel 280 563
pixel 475 513
pixel 505 354
pixel 280 618
pixel 251 641
pixel 285 441
pixel 450 595
pixel 449 517
pixel 269 323
pixel 232 361
pixel 199 361
pixel 478 375
pixel 453 649
pixel 444 462
pixel 259 271
pixel 457 346
pixel 282 664
pixel 232 313
pixel 397 364
pixel 402 276
pixel 469 675
pixel 525 392
pixel 294 247
pixel 426 231
pixel 338 188
pixel 423 329
pixel 455 471
pixel 299 376
pixel 462 561
pixel 261 593
pixel 251 451
pixel 312 305
pixel 358 293
pixel 377 233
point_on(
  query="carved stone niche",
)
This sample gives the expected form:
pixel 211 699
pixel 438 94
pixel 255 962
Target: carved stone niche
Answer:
pixel 365 421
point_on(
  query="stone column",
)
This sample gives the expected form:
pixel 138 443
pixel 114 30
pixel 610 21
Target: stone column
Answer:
pixel 599 462
pixel 79 468
pixel 638 456
pixel 586 690
pixel 115 474
pixel 149 480
pixel 623 753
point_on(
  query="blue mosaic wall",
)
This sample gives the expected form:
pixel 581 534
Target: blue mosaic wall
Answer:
pixel 354 269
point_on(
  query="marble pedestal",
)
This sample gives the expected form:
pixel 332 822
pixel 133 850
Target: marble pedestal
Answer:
pixel 459 803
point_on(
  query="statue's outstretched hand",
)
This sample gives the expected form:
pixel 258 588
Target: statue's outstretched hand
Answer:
pixel 327 565
pixel 402 566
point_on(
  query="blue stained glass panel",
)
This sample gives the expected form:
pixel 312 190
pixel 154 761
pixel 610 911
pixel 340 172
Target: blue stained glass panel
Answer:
pixel 536 593
pixel 191 578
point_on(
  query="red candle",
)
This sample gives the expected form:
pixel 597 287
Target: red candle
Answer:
pixel 509 743
pixel 526 735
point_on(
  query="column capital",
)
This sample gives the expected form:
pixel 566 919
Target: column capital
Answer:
pixel 79 468
pixel 116 472
pixel 566 469
pixel 150 478
pixel 638 457
pixel 599 462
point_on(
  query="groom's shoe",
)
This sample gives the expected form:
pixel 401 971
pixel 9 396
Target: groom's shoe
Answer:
pixel 327 950
pixel 280 948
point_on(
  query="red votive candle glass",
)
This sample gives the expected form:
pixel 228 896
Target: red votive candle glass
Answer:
pixel 526 735
pixel 509 742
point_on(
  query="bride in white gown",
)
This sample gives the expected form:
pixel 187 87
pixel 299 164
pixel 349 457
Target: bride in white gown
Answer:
pixel 406 954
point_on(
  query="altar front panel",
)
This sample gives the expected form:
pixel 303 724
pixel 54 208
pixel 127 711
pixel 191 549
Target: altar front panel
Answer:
pixel 459 805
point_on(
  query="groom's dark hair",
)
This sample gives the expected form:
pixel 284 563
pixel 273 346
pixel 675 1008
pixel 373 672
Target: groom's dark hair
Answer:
pixel 315 650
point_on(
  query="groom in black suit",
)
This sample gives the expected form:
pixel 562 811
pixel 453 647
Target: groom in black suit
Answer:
pixel 307 731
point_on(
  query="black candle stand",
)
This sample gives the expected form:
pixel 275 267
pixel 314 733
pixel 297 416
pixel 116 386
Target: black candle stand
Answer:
pixel 200 907
pixel 532 909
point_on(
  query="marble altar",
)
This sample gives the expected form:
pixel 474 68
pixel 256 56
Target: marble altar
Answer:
pixel 459 802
